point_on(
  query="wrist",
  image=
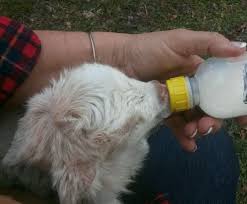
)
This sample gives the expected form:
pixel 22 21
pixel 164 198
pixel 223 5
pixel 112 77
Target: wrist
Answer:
pixel 111 48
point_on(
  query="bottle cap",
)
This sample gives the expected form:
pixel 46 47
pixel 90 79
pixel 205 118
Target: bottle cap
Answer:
pixel 178 93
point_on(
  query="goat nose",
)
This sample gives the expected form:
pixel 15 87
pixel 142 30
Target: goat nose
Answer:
pixel 161 90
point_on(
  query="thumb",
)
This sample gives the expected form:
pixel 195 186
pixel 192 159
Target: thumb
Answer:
pixel 187 42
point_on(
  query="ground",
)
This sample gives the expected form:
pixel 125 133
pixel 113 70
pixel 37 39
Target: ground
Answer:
pixel 134 16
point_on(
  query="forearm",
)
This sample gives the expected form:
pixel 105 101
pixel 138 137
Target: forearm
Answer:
pixel 65 49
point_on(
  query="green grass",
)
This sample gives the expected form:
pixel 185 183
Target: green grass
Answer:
pixel 242 154
pixel 228 17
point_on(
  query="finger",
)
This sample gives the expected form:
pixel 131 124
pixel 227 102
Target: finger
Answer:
pixel 187 42
pixel 190 130
pixel 190 64
pixel 185 66
pixel 208 125
pixel 188 145
pixel 177 124
pixel 192 115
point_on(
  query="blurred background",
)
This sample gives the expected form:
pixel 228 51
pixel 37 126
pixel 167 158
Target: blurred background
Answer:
pixel 228 17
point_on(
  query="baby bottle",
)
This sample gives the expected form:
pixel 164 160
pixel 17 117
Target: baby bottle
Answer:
pixel 219 88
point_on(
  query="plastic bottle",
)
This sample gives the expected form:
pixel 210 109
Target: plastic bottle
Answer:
pixel 219 88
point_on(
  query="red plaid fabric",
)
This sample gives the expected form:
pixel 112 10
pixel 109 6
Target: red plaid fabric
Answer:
pixel 19 50
pixel 159 199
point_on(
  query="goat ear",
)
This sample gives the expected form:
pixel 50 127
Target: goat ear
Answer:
pixel 31 141
pixel 36 131
pixel 74 180
pixel 71 123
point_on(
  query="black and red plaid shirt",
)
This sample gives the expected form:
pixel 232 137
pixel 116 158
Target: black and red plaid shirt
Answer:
pixel 19 50
pixel 159 199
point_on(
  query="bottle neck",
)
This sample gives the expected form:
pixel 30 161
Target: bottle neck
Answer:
pixel 193 91
pixel 183 93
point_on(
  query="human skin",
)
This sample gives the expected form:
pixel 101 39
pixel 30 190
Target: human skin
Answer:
pixel 147 56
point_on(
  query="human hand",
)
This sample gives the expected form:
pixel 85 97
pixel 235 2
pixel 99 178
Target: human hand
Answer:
pixel 7 200
pixel 157 55
pixel 161 55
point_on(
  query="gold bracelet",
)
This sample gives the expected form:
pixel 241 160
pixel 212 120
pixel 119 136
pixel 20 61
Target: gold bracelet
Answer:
pixel 92 45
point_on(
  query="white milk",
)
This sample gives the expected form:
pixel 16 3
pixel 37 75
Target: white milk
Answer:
pixel 219 87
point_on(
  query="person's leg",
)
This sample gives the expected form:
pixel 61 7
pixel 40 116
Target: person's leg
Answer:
pixel 208 176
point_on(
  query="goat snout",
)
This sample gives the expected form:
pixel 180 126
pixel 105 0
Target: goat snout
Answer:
pixel 161 90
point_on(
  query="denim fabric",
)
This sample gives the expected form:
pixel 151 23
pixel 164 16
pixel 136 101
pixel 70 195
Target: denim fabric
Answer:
pixel 208 176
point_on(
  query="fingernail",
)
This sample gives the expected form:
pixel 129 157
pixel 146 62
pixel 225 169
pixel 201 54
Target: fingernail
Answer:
pixel 239 44
pixel 195 149
pixel 194 134
pixel 209 131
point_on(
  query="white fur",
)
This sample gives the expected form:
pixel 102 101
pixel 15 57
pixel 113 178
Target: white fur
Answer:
pixel 88 130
